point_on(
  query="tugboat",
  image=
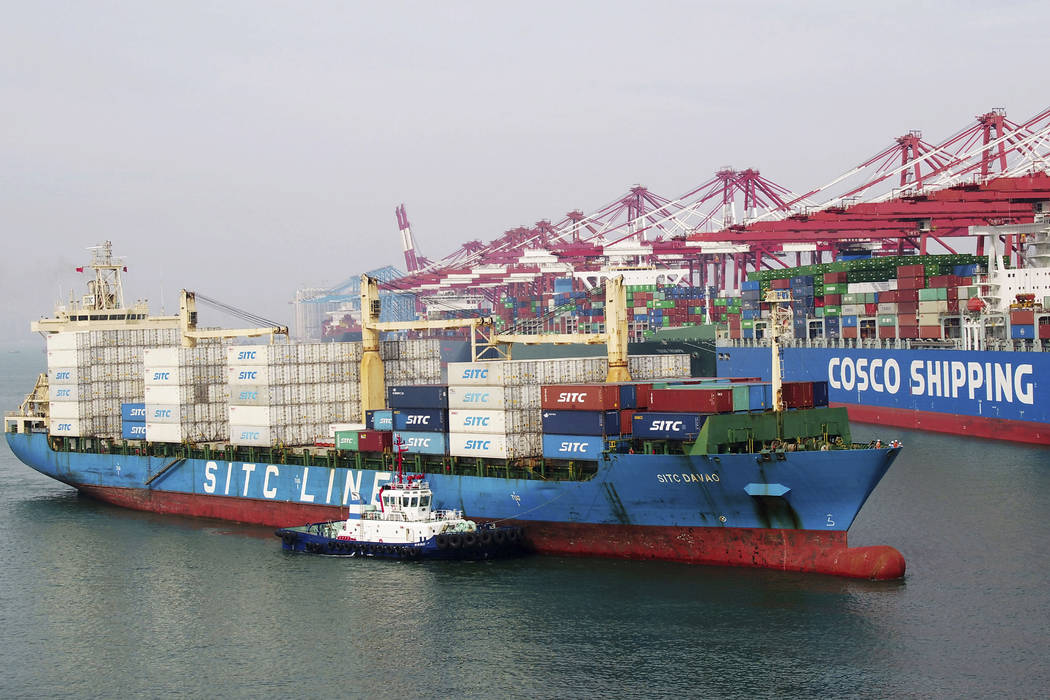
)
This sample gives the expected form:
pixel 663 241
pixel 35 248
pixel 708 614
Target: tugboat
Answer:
pixel 405 527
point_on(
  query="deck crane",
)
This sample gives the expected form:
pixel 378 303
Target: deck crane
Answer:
pixel 373 383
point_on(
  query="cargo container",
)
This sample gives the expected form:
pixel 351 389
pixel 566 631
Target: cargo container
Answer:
pixel 495 446
pixel 494 421
pixel 572 446
pixel 428 443
pixel 698 400
pixel 433 396
pixel 374 440
pixel 666 425
pixel 581 422
pixel 582 397
pixel 379 420
pixel 346 440
pixel 420 420
pixel 133 430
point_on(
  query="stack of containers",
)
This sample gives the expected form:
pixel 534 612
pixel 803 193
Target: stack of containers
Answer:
pixel 133 421
pixel 186 393
pixel 577 420
pixel 291 394
pixel 420 418
pixel 495 408
pixel 411 361
pixel 91 373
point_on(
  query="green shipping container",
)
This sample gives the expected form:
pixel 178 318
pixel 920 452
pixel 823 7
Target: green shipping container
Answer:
pixel 886 320
pixel 346 440
pixel 741 398
pixel 928 294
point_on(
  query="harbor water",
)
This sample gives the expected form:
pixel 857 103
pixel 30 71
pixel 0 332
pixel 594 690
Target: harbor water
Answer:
pixel 99 601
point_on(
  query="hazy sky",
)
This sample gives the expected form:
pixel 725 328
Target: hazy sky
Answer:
pixel 244 149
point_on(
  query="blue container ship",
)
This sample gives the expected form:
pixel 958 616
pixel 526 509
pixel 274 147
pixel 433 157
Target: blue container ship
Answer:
pixel 714 475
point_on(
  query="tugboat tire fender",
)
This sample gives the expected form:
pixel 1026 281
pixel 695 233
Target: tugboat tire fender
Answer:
pixel 441 541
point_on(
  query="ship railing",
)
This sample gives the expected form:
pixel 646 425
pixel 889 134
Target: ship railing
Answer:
pixel 994 344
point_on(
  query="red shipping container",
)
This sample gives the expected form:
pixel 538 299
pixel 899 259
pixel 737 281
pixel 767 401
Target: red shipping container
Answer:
pixel 953 306
pixel 580 397
pixel 887 332
pixel 871 309
pixel 832 299
pixel 908 307
pixel 907 295
pixel 1022 317
pixel 818 302
pixel 374 440
pixel 953 293
pixel 625 421
pixel 734 332
pixel 849 331
pixel 835 277
pixel 910 283
pixel 908 331
pixel 691 400
pixel 942 281
pixel 1044 330
pixel 888 297
pixel 798 394
pixel 929 331
pixel 911 271
pixel 780 284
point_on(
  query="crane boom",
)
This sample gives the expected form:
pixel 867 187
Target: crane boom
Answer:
pixel 373 383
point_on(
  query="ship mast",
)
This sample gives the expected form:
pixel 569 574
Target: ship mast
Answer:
pixel 780 315
pixel 106 291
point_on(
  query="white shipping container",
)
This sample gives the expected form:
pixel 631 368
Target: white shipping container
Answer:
pixel 162 375
pixel 476 373
pixel 63 392
pixel 250 435
pixel 74 410
pixel 164 413
pixel 495 446
pixel 263 416
pixel 252 395
pixel 163 432
pixel 161 357
pixel 70 427
pixel 334 428
pixel 67 340
pixel 63 375
pixel 494 422
pixel 65 358
pixel 168 394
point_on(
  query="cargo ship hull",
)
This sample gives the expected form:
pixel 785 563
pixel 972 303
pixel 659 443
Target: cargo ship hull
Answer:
pixel 790 513
pixel 988 394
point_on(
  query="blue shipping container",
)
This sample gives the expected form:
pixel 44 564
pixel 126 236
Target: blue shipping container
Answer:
pixel 751 284
pixel 133 430
pixel 422 443
pixel 628 396
pixel 760 397
pixel 432 396
pixel 820 393
pixel 421 419
pixel 133 412
pixel 667 426
pixel 1022 332
pixel 379 420
pixel 581 422
pixel 849 321
pixel 573 446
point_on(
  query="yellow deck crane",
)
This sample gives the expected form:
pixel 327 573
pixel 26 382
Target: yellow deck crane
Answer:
pixel 483 336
